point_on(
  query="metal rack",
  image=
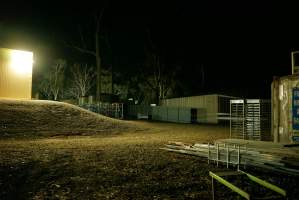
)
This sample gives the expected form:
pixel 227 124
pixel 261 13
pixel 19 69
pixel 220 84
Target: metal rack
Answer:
pixel 237 116
pixel 253 119
pixel 250 119
pixel 238 153
pixel 243 153
pixel 226 153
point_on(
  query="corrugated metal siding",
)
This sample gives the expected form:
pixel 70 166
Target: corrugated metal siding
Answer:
pixel 13 85
pixel 156 113
pixel 171 114
pixel 202 115
pixel 184 115
pixel 207 109
pixel 135 110
pixel 206 105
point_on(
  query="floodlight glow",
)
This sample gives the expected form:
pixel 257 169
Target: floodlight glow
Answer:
pixel 21 61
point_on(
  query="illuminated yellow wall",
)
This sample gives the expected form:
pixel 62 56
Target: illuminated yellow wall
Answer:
pixel 15 74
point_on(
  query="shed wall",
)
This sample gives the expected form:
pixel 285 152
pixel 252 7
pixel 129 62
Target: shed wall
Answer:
pixel 207 106
pixel 171 114
pixel 282 109
pixel 12 84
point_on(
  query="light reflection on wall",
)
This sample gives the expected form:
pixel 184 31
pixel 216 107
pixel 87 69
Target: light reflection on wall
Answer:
pixel 15 74
pixel 21 62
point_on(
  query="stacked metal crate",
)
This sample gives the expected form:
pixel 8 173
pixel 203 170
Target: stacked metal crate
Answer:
pixel 237 116
pixel 250 119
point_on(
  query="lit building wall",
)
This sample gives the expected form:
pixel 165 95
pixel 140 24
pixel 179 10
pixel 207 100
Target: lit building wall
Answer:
pixel 285 126
pixel 15 74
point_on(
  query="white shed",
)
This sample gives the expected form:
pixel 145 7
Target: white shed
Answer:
pixel 204 108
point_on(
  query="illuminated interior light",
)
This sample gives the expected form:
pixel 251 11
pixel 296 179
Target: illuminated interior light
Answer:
pixel 21 61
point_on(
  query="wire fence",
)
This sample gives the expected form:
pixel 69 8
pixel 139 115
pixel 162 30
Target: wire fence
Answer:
pixel 114 110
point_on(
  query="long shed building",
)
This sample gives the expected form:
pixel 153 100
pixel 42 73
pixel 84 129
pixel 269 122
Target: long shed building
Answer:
pixel 205 108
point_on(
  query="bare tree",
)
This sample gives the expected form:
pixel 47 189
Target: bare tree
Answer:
pixel 45 89
pixel 82 80
pixel 107 81
pixel 121 90
pixel 56 77
pixel 73 92
pixel 95 50
pixel 202 71
pixel 159 79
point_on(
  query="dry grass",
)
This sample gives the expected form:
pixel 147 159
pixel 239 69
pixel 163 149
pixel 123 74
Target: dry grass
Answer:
pixel 36 118
pixel 125 166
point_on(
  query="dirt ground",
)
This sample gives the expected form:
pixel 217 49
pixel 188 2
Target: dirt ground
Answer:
pixel 127 165
pixel 124 166
pixel 54 150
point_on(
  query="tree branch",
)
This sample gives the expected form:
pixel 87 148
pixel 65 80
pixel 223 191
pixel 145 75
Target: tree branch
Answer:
pixel 150 84
pixel 81 37
pixel 83 50
pixel 149 38
pixel 98 19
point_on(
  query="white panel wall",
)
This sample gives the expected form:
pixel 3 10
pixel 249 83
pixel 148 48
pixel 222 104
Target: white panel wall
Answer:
pixel 207 106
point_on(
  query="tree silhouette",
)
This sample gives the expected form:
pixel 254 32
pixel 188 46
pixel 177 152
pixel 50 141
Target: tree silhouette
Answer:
pixel 94 51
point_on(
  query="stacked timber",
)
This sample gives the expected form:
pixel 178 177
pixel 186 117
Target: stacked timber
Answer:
pixel 275 158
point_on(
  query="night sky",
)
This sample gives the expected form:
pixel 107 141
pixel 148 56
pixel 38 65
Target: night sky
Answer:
pixel 240 45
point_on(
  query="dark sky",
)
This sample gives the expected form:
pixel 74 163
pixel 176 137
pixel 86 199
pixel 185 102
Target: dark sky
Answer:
pixel 240 44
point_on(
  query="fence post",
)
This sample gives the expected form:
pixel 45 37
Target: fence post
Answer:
pixel 167 114
pixel 178 114
pixel 122 111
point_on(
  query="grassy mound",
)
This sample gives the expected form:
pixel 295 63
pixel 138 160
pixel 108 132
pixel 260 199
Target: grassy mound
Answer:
pixel 53 118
